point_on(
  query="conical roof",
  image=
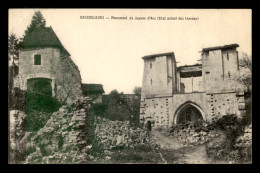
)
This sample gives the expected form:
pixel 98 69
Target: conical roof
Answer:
pixel 44 37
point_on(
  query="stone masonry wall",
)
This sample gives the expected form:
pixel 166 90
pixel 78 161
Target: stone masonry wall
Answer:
pixel 162 111
pixel 55 65
pixel 219 93
pixel 63 139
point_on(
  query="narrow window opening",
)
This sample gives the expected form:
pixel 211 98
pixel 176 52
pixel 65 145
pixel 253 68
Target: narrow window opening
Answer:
pixel 151 65
pixel 227 56
pixel 37 59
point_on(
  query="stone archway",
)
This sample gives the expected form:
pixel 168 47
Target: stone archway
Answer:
pixel 188 112
pixel 40 85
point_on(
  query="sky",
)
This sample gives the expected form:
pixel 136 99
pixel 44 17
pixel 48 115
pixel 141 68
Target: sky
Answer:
pixel 110 51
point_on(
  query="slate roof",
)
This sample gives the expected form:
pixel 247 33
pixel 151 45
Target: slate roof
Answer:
pixel 90 89
pixel 44 37
pixel 220 47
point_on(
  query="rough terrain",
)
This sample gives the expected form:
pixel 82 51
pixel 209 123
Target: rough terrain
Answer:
pixel 180 154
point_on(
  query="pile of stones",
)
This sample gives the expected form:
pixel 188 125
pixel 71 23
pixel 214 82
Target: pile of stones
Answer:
pixel 240 152
pixel 197 133
pixel 246 139
pixel 114 134
pixel 17 126
pixel 63 139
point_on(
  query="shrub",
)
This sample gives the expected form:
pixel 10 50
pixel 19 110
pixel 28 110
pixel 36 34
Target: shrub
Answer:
pixel 40 102
pixel 39 109
pixel 17 99
pixel 231 126
pixel 99 109
pixel 117 112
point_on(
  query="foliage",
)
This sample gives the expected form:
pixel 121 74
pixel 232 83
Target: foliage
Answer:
pixel 17 99
pixel 231 126
pixel 36 120
pixel 14 44
pixel 135 111
pixel 42 103
pixel 99 109
pixel 115 98
pixel 115 107
pixel 245 76
pixel 246 62
pixel 39 108
pixel 137 90
pixel 229 151
pixel 37 22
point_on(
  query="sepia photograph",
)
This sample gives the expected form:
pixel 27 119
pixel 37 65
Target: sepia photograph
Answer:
pixel 129 86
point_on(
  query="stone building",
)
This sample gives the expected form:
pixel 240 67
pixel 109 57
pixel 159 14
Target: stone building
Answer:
pixel 45 67
pixel 172 95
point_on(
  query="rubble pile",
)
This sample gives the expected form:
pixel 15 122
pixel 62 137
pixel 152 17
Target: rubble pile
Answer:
pixel 246 139
pixel 62 139
pixel 240 152
pixel 197 133
pixel 17 132
pixel 114 134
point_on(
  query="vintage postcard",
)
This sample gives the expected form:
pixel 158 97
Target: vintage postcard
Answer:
pixel 130 86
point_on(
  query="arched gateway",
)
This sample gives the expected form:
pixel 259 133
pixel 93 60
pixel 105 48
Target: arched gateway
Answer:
pixel 188 112
pixel 40 85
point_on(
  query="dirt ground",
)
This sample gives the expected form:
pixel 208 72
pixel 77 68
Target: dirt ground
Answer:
pixel 173 151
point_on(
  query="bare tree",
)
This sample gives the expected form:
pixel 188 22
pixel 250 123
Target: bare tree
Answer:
pixel 246 62
pixel 245 77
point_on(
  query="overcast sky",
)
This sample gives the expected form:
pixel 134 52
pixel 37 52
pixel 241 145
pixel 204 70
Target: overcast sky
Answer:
pixel 109 51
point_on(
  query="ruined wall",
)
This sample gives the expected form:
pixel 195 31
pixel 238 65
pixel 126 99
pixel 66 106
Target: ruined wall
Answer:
pixel 217 92
pixel 68 79
pixel 55 65
pixel 192 85
pixel 63 139
pixel 163 112
pixel 157 110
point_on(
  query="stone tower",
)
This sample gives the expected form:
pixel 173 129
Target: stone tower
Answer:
pixel 46 67
pixel 220 64
pixel 159 81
